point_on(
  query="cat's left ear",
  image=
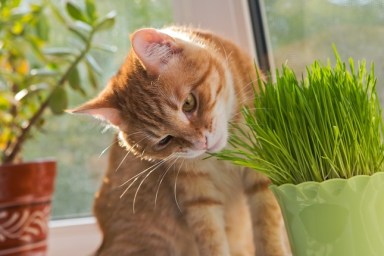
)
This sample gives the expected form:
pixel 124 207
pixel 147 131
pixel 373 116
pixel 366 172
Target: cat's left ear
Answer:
pixel 100 109
pixel 154 48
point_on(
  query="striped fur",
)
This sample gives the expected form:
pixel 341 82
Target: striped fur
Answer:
pixel 168 199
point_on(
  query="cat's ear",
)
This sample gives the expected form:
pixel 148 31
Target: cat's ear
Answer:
pixel 100 110
pixel 154 48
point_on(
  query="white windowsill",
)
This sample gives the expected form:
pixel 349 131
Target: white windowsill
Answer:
pixel 79 236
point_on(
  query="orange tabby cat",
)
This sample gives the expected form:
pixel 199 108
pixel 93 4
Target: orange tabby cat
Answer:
pixel 171 103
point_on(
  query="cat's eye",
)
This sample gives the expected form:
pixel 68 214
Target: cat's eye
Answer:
pixel 190 103
pixel 164 141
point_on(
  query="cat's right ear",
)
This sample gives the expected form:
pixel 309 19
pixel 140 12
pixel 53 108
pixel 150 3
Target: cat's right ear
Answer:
pixel 100 110
pixel 154 48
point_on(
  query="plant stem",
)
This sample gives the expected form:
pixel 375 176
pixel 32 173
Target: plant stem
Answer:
pixel 11 156
pixel 13 112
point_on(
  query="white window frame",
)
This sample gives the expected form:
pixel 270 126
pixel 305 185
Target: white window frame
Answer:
pixel 229 18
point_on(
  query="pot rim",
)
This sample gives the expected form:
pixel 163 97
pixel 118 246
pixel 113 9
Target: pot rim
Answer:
pixel 48 160
pixel 326 182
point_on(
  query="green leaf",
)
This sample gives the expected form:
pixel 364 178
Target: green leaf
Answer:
pixel 36 45
pixel 107 22
pixel 93 63
pixel 33 89
pixel 58 101
pixel 11 76
pixel 90 8
pixel 105 47
pixel 17 28
pixel 74 78
pixel 5 102
pixel 74 81
pixel 78 33
pixel 82 26
pixel 57 13
pixel 60 51
pixel 91 76
pixel 42 72
pixel 75 12
pixel 41 76
pixel 42 28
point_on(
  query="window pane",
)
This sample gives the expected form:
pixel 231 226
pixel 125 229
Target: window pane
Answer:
pixel 77 142
pixel 301 31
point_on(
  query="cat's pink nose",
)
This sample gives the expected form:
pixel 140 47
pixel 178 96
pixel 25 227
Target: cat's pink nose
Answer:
pixel 201 143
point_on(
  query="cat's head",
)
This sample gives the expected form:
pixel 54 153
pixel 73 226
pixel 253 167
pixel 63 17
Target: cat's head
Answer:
pixel 173 94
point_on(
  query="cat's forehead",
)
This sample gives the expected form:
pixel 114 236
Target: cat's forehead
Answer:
pixel 181 80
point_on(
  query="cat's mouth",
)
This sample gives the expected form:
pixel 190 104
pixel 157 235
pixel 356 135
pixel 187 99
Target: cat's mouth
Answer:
pixel 216 146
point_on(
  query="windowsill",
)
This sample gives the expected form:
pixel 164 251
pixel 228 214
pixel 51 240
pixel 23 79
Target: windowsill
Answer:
pixel 79 236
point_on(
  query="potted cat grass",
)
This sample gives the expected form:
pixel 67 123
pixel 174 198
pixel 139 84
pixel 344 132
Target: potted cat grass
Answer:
pixel 320 140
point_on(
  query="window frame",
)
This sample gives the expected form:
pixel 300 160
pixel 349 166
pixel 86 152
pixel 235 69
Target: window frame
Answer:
pixel 260 33
pixel 81 236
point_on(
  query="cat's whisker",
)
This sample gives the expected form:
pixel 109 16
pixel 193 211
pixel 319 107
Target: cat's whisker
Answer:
pixel 244 88
pixel 137 143
pixel 137 176
pixel 251 109
pixel 142 172
pixel 122 161
pixel 129 151
pixel 225 53
pixel 106 149
pixel 130 185
pixel 241 92
pixel 133 133
pixel 146 176
pixel 163 176
pixel 175 187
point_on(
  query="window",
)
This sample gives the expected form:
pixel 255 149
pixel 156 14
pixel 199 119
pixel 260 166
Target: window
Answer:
pixel 300 31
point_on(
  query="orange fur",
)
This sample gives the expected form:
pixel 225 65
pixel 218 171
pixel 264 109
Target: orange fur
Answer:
pixel 173 201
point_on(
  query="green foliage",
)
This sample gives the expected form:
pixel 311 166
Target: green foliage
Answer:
pixel 34 74
pixel 296 20
pixel 327 125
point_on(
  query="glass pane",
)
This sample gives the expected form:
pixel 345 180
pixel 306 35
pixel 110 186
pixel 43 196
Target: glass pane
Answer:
pixel 77 142
pixel 301 31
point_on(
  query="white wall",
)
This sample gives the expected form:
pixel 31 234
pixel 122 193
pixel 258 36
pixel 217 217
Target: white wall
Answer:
pixel 229 18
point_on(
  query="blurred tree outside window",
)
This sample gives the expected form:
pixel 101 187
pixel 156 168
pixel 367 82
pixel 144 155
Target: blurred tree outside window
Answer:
pixel 301 31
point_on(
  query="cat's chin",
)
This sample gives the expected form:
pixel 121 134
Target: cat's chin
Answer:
pixel 192 153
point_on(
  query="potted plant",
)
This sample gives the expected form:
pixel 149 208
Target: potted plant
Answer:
pixel 321 141
pixel 35 78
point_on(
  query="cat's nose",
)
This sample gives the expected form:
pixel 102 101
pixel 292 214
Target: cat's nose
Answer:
pixel 201 143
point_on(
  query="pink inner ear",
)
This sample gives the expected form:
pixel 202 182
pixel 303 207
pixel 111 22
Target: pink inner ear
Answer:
pixel 154 48
pixel 111 115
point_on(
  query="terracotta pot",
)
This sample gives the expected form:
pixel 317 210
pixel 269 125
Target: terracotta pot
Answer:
pixel 25 205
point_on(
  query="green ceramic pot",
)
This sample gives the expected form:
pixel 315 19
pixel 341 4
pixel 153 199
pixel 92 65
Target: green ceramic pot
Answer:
pixel 336 217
